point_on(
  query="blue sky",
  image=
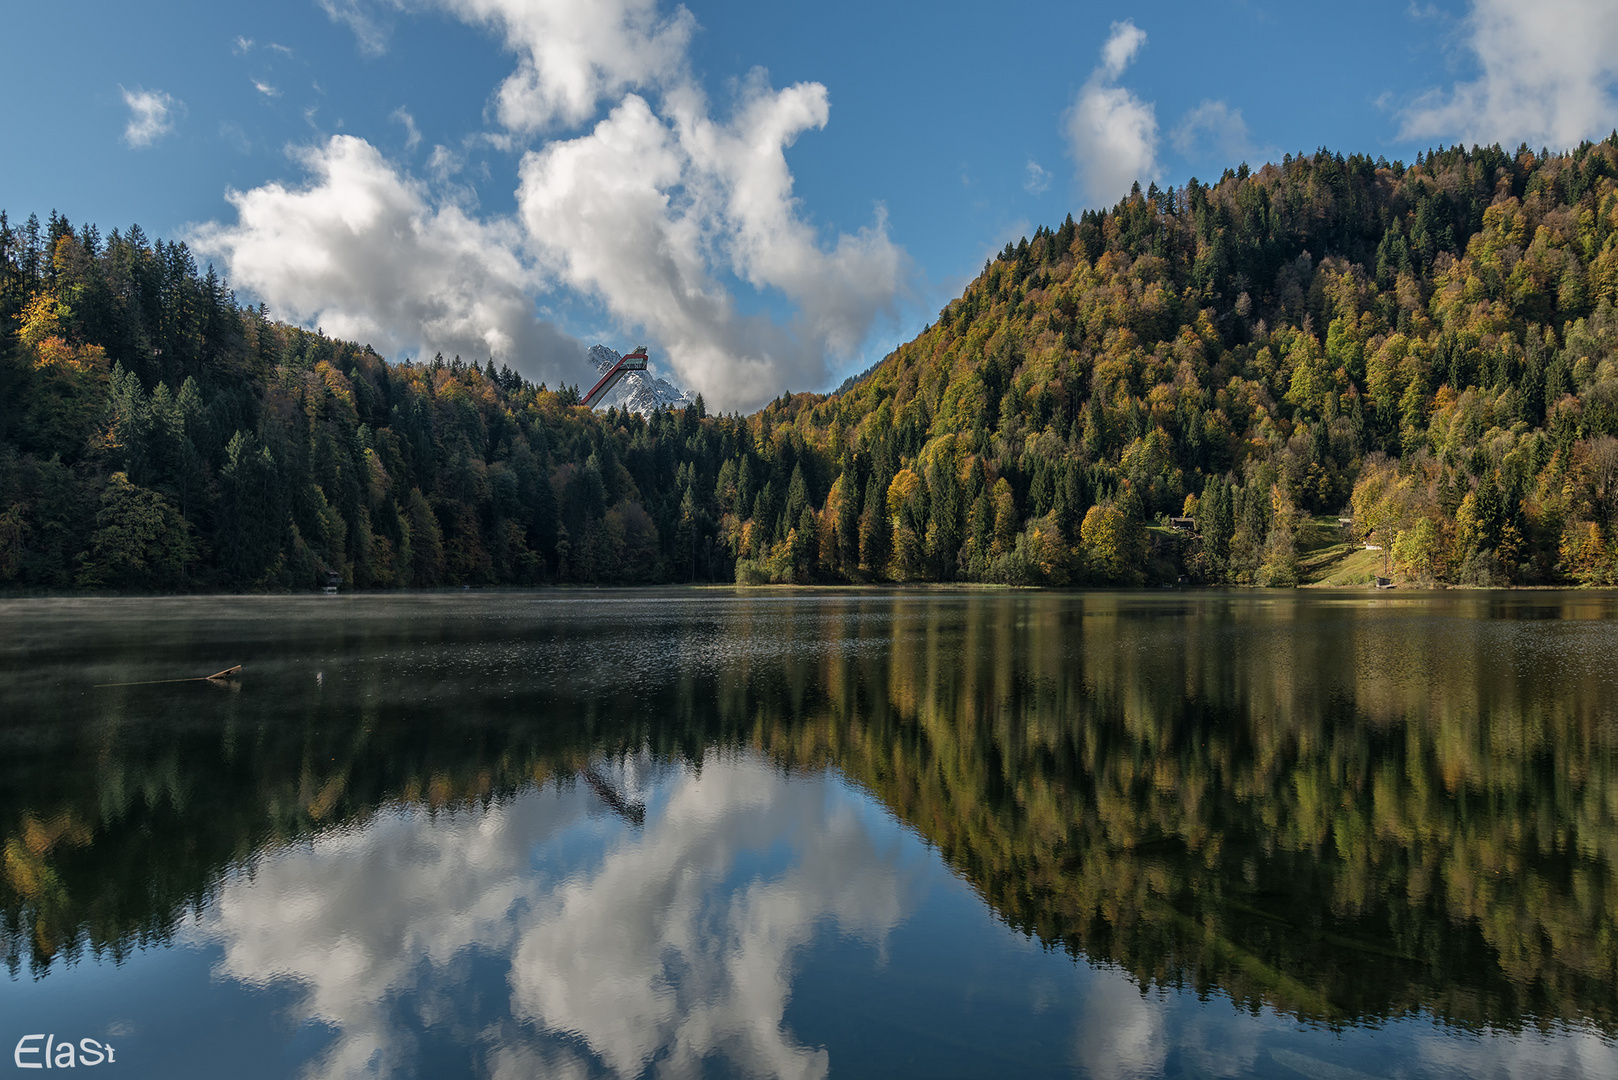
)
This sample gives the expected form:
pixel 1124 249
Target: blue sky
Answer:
pixel 770 195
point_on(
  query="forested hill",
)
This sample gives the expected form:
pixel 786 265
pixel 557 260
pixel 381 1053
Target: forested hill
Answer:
pixel 1434 346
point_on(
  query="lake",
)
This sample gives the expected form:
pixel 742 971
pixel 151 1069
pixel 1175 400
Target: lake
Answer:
pixel 806 834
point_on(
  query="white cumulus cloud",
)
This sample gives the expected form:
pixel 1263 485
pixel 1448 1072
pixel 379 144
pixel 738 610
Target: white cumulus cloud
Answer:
pixel 644 209
pixel 364 251
pixel 151 115
pixel 1111 132
pixel 660 210
pixel 573 56
pixel 1549 71
pixel 1125 40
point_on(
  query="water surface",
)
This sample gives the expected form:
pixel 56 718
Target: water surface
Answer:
pixel 816 834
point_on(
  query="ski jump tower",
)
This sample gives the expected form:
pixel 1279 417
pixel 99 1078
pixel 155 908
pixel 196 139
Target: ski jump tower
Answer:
pixel 635 361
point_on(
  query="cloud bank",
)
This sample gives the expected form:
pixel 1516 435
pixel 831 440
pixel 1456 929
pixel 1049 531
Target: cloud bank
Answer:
pixel 657 211
pixel 1549 72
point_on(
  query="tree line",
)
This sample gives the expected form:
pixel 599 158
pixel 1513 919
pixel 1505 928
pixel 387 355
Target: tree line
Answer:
pixel 1427 348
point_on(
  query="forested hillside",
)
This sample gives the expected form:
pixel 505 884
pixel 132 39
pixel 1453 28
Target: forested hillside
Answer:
pixel 1431 349
pixel 156 436
pixel 1432 344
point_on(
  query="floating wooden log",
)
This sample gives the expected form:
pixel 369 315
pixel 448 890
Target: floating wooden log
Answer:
pixel 230 676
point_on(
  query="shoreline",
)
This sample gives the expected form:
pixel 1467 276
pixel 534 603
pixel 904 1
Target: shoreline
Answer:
pixel 873 587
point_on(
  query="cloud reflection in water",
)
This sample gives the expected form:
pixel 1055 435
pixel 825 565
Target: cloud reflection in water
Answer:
pixel 663 946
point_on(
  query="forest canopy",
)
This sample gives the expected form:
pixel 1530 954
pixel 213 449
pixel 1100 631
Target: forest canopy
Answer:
pixel 1430 350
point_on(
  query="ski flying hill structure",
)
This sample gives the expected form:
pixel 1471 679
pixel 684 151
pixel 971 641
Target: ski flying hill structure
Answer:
pixel 635 361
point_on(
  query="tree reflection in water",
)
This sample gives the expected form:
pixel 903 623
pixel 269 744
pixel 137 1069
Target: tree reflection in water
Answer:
pixel 1344 809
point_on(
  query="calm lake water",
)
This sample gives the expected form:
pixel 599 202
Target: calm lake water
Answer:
pixel 808 834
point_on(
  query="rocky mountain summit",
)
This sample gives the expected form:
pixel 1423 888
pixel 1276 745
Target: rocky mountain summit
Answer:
pixel 638 391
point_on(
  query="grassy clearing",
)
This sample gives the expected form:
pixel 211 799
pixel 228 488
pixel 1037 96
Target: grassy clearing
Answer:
pixel 1339 566
pixel 1329 559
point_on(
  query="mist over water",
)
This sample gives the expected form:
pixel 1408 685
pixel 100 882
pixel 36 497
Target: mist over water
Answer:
pixel 722 833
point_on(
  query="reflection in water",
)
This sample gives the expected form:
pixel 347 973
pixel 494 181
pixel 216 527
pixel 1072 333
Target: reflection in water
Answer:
pixel 643 953
pixel 1122 1034
pixel 644 947
pixel 1341 810
pixel 1342 813
pixel 353 916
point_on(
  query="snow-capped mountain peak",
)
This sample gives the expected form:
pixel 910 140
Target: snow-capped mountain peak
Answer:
pixel 638 391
